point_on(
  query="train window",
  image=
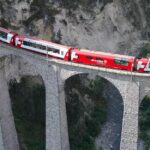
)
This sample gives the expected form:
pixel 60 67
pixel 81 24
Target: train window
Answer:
pixel 38 46
pixel 62 53
pixel 89 57
pixel 26 43
pixel 99 59
pixel 121 61
pixel 49 49
pixel 53 50
pixel 3 35
pixel 33 45
pixel 42 47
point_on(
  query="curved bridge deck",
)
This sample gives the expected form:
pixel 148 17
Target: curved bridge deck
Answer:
pixel 133 86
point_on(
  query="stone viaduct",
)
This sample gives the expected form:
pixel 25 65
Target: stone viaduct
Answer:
pixel 15 63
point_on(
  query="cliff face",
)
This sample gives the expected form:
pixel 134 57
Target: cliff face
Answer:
pixel 114 26
pixel 106 28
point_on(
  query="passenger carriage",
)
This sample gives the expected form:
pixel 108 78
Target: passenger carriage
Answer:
pixel 42 47
pixel 7 36
pixel 103 59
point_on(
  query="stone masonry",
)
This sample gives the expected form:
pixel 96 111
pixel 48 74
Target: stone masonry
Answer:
pixel 16 63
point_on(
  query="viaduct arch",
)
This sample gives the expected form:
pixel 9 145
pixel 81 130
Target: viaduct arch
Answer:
pixel 110 136
pixel 132 87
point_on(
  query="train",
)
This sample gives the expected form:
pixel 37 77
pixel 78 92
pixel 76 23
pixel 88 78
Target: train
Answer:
pixel 75 55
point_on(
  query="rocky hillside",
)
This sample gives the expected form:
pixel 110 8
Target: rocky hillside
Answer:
pixel 107 25
pixel 119 26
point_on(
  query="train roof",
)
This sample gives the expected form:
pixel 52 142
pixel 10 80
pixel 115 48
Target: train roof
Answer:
pixel 94 53
pixel 81 51
pixel 43 41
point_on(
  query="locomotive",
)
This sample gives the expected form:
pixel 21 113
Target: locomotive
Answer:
pixel 83 56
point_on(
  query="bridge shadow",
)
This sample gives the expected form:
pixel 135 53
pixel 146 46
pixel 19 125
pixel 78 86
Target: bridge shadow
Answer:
pixel 94 113
pixel 28 105
pixel 144 124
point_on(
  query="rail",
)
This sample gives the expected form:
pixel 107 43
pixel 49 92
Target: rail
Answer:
pixel 62 62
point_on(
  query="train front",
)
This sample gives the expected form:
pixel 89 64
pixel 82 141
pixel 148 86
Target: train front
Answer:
pixel 143 64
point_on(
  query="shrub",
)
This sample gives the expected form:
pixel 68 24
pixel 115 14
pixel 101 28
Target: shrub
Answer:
pixel 144 122
pixel 28 105
pixel 4 23
pixel 145 51
pixel 85 119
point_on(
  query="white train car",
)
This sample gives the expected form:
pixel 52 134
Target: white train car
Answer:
pixel 43 47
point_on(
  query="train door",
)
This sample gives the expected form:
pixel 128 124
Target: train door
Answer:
pixel 18 42
pixel 68 55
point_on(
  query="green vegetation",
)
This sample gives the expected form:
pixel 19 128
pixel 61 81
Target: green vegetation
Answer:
pixel 37 3
pixel 147 15
pixel 1 7
pixel 39 10
pixel 74 4
pixel 4 23
pixel 87 4
pixel 35 16
pixel 28 104
pixel 147 11
pixel 144 122
pixel 85 116
pixel 145 51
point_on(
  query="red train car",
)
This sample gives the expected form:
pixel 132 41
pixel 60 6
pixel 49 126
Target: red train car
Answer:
pixel 103 59
pixel 7 36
